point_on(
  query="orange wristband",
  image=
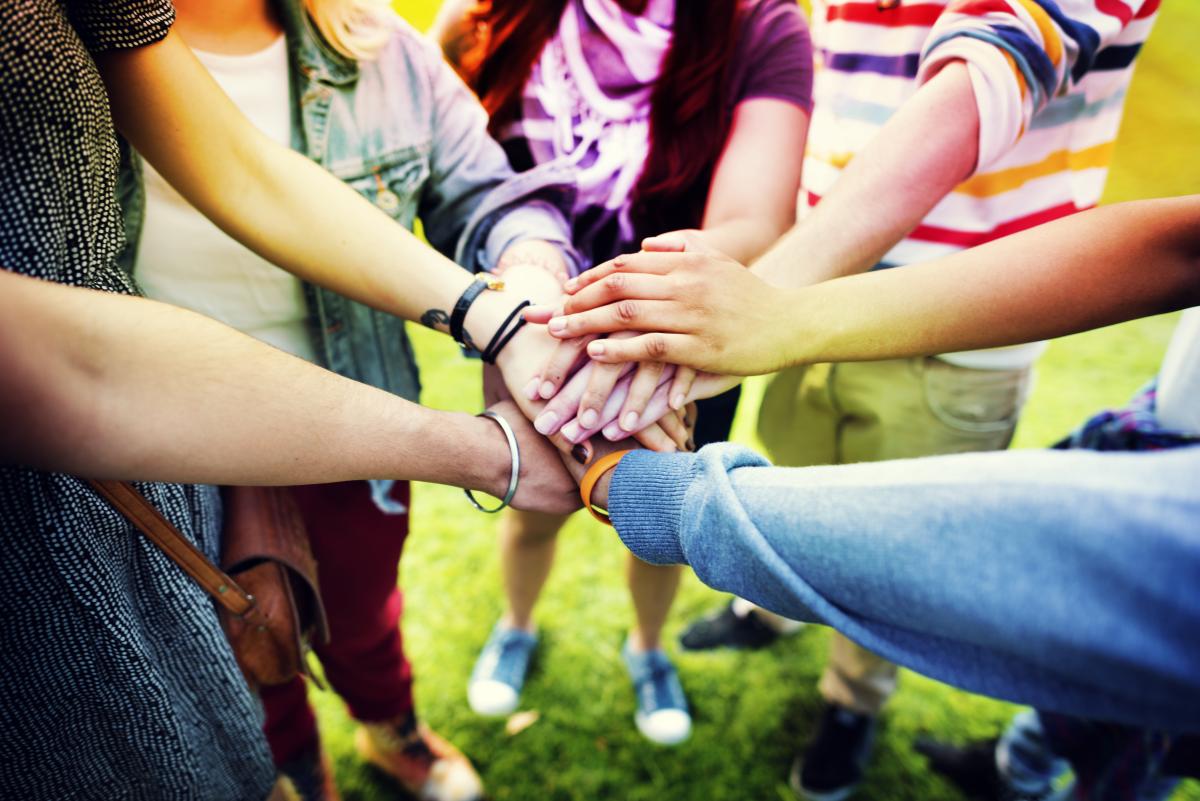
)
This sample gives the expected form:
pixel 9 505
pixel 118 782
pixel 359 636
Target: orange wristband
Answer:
pixel 594 472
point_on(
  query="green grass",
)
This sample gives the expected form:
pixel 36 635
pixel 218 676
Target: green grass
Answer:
pixel 751 710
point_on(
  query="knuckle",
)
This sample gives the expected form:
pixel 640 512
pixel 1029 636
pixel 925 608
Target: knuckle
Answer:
pixel 627 311
pixel 617 282
pixel 656 346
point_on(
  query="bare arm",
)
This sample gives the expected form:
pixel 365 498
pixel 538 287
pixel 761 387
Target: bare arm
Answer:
pixel 276 201
pixel 926 149
pixel 752 198
pixel 1091 269
pixel 112 386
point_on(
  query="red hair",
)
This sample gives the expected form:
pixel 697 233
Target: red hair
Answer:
pixel 689 119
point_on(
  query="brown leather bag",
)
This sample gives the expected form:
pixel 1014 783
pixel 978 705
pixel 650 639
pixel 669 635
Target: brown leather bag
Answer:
pixel 267 594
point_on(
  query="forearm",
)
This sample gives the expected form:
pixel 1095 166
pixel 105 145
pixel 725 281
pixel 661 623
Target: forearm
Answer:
pixel 1071 275
pixel 273 200
pixel 743 239
pixel 119 387
pixel 1033 576
pixel 926 149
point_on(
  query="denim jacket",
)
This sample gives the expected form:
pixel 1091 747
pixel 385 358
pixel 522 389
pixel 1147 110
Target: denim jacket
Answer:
pixel 408 135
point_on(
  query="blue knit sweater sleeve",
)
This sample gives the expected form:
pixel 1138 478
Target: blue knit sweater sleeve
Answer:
pixel 1069 580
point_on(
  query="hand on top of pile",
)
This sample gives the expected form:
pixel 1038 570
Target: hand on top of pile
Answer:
pixel 677 306
pixel 695 307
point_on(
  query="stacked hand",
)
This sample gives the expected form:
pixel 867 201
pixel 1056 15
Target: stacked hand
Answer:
pixel 673 309
pixel 521 364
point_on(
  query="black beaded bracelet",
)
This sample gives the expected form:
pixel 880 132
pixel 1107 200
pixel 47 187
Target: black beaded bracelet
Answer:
pixel 504 334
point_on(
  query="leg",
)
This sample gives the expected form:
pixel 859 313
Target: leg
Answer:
pixel 358 549
pixel 653 588
pixel 740 624
pixel 527 545
pixel 855 678
pixel 869 412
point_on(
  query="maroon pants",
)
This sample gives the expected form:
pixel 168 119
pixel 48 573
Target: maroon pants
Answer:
pixel 357 548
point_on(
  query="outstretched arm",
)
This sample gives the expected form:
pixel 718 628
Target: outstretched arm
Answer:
pixel 1091 269
pixel 1052 578
pixel 111 386
pixel 277 202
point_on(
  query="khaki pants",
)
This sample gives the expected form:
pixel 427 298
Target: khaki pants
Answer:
pixel 872 411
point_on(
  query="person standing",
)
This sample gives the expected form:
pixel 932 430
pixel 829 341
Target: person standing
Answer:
pixel 316 76
pixel 661 109
pixel 937 126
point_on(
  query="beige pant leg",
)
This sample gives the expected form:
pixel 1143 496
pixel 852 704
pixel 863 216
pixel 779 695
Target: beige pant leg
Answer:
pixel 855 678
pixel 872 411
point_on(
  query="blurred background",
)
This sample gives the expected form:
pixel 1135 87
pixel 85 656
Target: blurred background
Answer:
pixel 752 710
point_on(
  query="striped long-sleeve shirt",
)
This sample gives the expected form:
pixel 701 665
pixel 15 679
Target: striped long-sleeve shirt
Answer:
pixel 1049 79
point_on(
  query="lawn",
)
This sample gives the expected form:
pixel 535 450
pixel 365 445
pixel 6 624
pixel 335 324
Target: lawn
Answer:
pixel 752 710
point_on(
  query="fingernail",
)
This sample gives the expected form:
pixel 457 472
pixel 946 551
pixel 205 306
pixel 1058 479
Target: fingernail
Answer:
pixel 629 421
pixel 596 349
pixel 677 402
pixel 545 422
pixel 691 444
pixel 557 325
pixel 589 419
pixel 580 454
pixel 547 390
pixel 571 284
pixel 531 389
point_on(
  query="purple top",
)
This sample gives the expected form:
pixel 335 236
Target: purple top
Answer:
pixel 772 59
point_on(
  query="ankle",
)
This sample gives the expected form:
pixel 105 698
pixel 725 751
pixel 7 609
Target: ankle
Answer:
pixel 640 642
pixel 523 623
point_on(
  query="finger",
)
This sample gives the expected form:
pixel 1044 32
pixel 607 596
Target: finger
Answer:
pixel 618 286
pixel 565 360
pixel 600 387
pixel 624 315
pixel 539 314
pixel 673 242
pixel 654 438
pixel 691 413
pixel 659 347
pixel 681 386
pixel 655 409
pixel 565 405
pixel 672 423
pixel 661 263
pixel 575 431
pixel 645 380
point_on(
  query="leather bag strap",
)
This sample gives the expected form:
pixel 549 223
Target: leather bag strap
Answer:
pixel 125 498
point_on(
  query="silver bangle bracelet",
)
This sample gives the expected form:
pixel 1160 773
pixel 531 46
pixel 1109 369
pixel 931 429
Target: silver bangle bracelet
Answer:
pixel 514 478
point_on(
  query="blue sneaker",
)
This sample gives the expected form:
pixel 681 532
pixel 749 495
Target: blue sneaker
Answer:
pixel 662 709
pixel 499 674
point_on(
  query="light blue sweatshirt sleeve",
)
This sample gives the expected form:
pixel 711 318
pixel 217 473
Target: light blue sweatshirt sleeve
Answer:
pixel 1069 580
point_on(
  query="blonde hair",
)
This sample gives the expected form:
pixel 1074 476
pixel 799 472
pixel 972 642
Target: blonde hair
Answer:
pixel 357 29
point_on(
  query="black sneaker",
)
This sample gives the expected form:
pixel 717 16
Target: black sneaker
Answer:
pixel 832 765
pixel 971 768
pixel 727 630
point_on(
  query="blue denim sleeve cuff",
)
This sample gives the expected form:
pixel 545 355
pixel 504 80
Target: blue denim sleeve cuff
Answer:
pixel 646 502
pixel 534 220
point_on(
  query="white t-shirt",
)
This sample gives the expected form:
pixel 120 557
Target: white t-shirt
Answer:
pixel 1178 401
pixel 186 260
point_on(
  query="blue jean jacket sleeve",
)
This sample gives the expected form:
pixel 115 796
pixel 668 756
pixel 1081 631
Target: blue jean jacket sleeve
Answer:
pixel 474 206
pixel 1069 580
